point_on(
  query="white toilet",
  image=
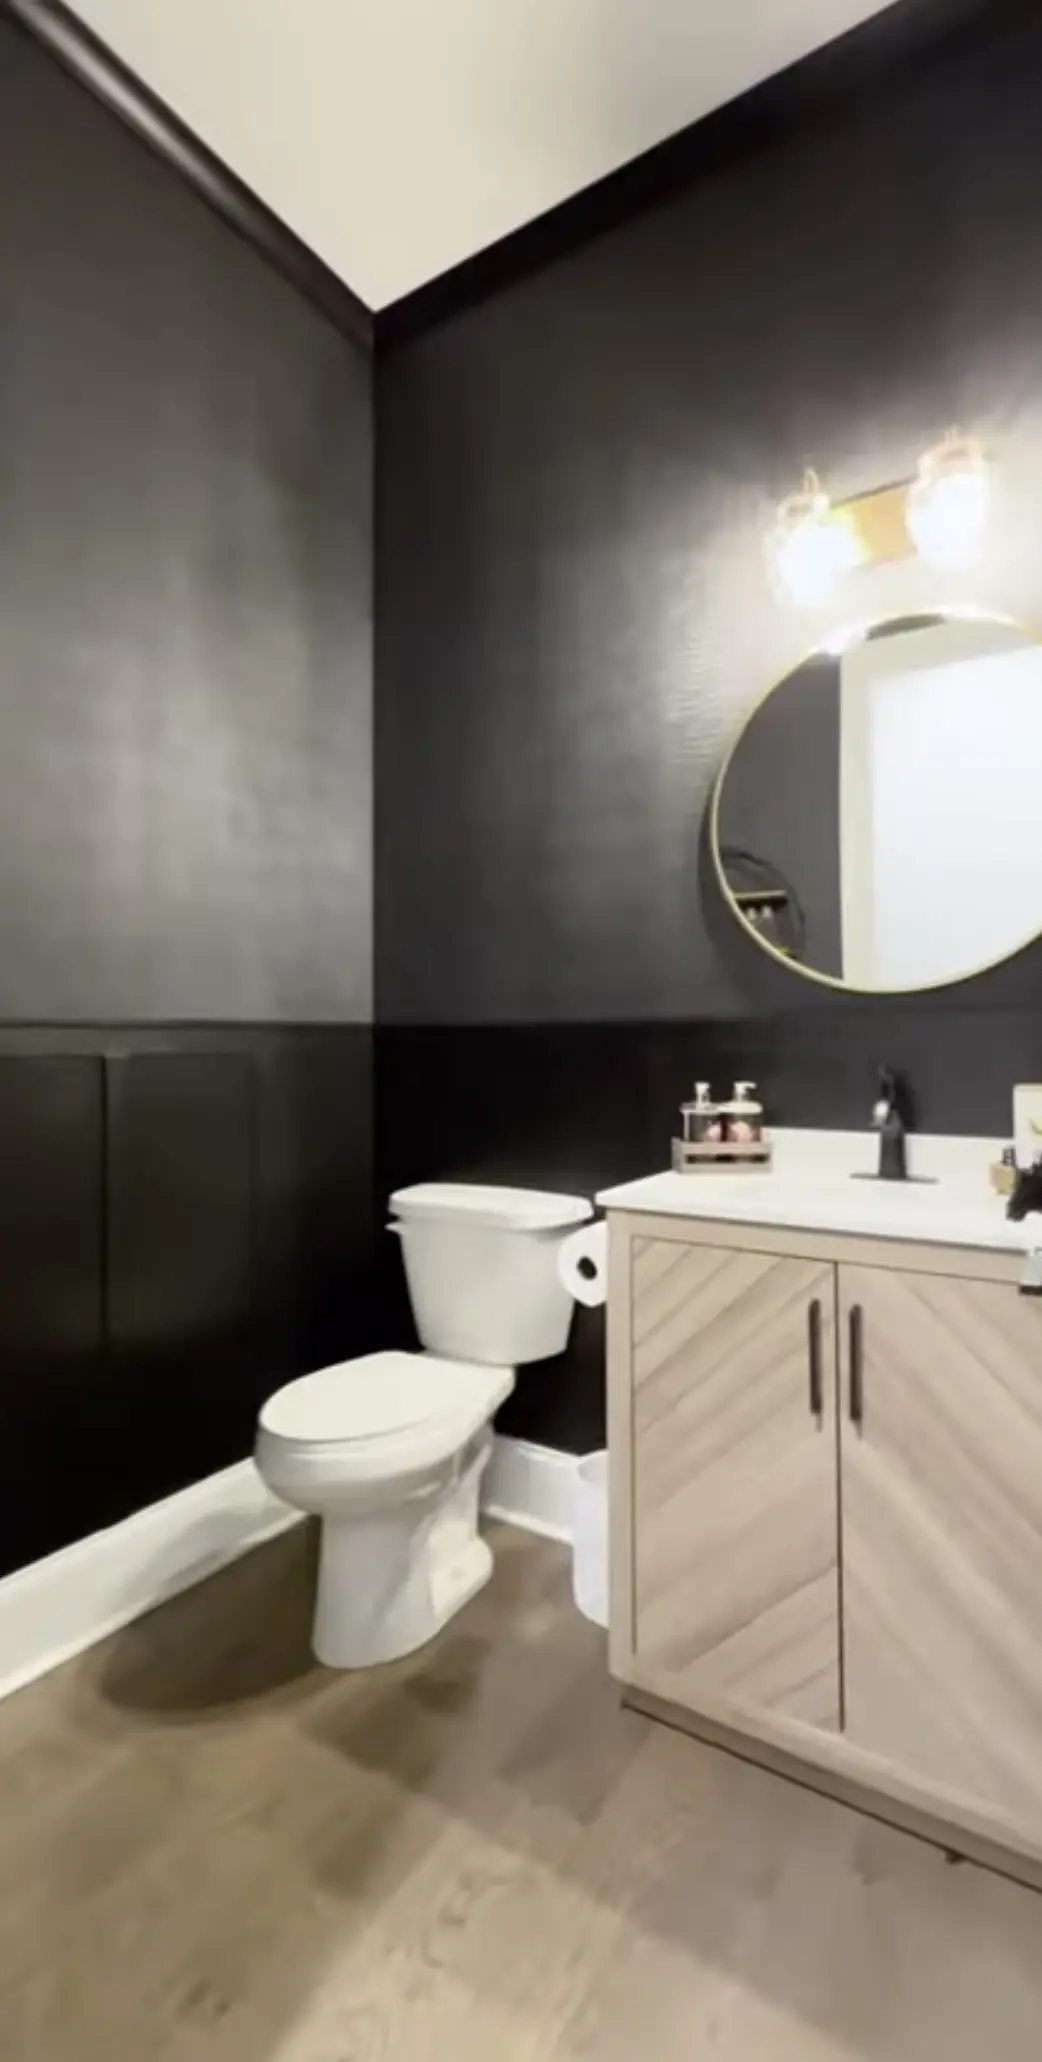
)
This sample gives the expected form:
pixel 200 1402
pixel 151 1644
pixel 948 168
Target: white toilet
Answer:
pixel 389 1450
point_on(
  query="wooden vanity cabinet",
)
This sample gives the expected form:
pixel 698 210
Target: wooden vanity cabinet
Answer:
pixel 941 1480
pixel 826 1466
pixel 735 1551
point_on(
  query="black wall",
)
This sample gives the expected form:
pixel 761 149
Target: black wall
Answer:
pixel 185 824
pixel 575 476
pixel 185 597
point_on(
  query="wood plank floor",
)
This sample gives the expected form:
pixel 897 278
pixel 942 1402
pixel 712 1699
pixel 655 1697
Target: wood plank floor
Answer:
pixel 212 1849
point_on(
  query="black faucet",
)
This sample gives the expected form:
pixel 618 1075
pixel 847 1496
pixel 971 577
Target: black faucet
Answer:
pixel 890 1119
pixel 1027 1194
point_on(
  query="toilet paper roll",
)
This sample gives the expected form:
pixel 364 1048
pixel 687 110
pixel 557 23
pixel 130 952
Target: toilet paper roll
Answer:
pixel 582 1264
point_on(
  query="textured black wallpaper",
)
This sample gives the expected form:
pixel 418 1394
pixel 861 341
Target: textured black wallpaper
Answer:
pixel 574 482
pixel 185 597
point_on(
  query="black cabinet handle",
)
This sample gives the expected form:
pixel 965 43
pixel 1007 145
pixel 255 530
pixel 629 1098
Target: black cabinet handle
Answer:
pixel 817 1387
pixel 857 1364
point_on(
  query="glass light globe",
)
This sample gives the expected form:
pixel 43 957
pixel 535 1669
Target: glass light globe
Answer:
pixel 948 505
pixel 811 546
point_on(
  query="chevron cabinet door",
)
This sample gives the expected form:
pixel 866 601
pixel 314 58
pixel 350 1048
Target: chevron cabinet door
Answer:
pixel 942 1534
pixel 734 1480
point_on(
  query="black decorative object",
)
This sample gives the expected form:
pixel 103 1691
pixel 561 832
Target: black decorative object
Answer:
pixel 1027 1195
pixel 889 1115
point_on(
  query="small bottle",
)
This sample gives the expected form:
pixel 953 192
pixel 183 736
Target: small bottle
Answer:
pixel 703 1124
pixel 744 1115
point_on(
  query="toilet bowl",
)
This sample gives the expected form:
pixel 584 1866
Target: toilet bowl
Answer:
pixel 388 1450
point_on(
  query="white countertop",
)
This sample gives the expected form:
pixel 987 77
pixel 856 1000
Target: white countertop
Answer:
pixel 812 1187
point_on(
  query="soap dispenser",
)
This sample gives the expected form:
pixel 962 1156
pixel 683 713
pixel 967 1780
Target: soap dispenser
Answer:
pixel 744 1115
pixel 703 1124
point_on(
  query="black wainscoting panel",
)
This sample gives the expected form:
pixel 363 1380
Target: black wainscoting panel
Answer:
pixel 559 1106
pixel 51 1302
pixel 181 1268
pixel 581 1107
pixel 316 1295
pixel 187 1219
pixel 819 1067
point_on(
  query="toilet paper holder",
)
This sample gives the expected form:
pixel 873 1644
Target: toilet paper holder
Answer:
pixel 582 1264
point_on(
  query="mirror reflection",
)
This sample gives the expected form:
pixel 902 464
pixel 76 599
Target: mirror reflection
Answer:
pixel 876 821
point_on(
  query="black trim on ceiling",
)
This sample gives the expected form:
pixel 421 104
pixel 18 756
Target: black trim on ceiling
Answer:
pixel 865 58
pixel 95 66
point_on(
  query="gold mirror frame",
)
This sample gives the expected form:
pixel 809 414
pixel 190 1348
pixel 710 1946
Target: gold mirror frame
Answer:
pixel 841 640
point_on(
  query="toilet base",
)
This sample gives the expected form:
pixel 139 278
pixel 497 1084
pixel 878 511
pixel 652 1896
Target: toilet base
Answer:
pixel 390 1578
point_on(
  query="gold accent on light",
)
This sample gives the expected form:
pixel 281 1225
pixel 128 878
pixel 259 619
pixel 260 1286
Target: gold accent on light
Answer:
pixel 879 523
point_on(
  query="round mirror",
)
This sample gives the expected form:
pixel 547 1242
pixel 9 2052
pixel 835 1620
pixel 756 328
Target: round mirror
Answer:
pixel 875 823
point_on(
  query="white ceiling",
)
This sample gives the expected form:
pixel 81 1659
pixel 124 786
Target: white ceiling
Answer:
pixel 397 137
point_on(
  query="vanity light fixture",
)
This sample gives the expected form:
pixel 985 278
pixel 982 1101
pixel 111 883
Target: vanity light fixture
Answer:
pixel 812 544
pixel 942 515
pixel 948 503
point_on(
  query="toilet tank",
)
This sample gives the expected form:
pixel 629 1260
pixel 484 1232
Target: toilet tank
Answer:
pixel 481 1264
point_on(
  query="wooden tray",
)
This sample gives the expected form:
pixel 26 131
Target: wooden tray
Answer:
pixel 721 1157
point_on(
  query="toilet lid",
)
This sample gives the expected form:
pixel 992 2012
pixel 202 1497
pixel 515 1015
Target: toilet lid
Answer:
pixel 378 1394
pixel 504 1208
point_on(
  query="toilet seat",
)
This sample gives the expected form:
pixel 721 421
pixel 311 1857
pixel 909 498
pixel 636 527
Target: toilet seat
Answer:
pixel 383 1400
pixel 386 1418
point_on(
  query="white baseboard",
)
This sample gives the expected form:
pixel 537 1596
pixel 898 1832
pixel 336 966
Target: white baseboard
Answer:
pixel 55 1608
pixel 531 1486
